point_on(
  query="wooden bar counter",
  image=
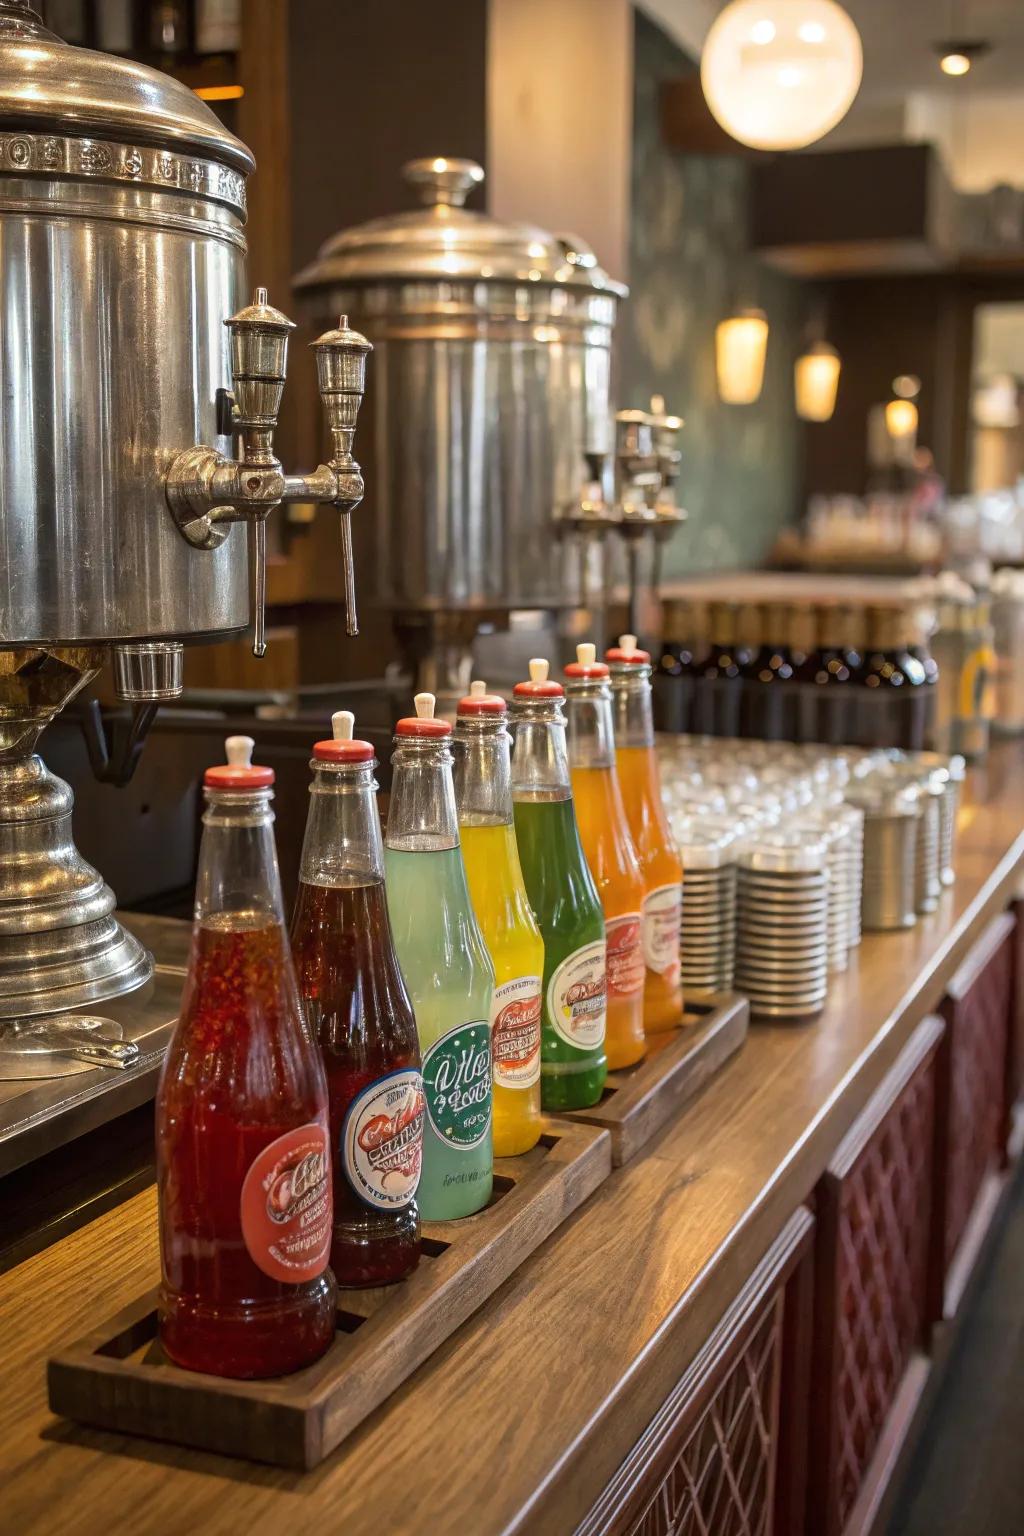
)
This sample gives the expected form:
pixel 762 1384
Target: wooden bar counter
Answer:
pixel 675 1339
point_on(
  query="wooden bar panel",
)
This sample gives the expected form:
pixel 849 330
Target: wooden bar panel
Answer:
pixel 707 1464
pixel 871 1292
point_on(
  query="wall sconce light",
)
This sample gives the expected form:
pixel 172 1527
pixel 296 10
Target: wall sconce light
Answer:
pixel 816 380
pixel 740 346
pixel 901 420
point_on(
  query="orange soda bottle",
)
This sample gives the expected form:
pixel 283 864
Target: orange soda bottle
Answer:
pixel 637 765
pixel 605 835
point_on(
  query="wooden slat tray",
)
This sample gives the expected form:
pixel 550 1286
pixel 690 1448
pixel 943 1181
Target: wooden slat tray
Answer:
pixel 118 1378
pixel 638 1101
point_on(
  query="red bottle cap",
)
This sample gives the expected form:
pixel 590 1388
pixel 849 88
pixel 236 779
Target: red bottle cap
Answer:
pixel 422 723
pixel 628 651
pixel 586 663
pixel 479 702
pixel 238 772
pixel 341 748
pixel 539 686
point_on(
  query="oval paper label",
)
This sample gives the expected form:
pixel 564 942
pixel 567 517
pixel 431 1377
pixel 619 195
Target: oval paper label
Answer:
pixel 662 916
pixel 578 997
pixel 286 1205
pixel 382 1140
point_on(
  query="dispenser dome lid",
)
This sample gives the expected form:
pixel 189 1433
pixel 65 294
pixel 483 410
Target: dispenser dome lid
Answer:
pixel 239 772
pixel 443 241
pixel 340 747
pixel 56 88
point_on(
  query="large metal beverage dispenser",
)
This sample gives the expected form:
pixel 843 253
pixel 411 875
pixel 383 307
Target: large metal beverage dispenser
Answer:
pixel 136 431
pixel 489 404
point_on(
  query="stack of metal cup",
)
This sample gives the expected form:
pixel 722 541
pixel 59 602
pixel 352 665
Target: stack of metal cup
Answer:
pixel 956 768
pixel 891 810
pixel 836 833
pixel 782 941
pixel 853 869
pixel 708 933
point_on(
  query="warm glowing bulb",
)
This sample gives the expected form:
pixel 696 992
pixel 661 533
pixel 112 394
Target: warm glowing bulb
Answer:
pixel 901 418
pixel 954 63
pixel 778 74
pixel 816 380
pixel 740 346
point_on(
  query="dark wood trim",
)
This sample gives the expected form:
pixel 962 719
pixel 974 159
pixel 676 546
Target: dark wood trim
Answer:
pixel 792 1466
pixel 622 1500
pixel 981 952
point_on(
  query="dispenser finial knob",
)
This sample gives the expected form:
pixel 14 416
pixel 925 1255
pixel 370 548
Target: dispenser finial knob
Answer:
pixel 424 703
pixel 539 668
pixel 586 653
pixel 342 724
pixel 477 689
pixel 627 643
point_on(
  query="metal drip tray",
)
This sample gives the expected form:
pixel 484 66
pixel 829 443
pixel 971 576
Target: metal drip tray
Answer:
pixel 40 1113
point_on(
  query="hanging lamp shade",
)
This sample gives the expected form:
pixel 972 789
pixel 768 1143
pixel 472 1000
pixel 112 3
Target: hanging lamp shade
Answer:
pixel 816 380
pixel 778 74
pixel 901 420
pixel 740 346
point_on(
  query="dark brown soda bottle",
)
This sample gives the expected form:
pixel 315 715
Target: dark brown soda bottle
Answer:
pixel 717 687
pixel 893 695
pixel 357 1007
pixel 766 671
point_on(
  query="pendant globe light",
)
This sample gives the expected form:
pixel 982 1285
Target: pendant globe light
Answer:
pixel 778 74
pixel 740 346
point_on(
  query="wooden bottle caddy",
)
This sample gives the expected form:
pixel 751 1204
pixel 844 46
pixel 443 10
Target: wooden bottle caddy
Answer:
pixel 638 1101
pixel 118 1378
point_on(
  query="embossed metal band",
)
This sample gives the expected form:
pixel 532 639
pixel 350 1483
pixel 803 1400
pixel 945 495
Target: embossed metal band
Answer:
pixel 46 155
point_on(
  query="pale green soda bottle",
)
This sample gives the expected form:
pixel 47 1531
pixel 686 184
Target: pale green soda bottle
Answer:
pixel 445 964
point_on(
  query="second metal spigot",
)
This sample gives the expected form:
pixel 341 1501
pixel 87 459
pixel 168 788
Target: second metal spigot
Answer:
pixel 208 491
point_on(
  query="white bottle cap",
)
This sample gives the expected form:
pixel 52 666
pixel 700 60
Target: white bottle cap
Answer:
pixel 477 689
pixel 238 751
pixel 586 654
pixel 424 703
pixel 539 668
pixel 342 724
pixel 627 643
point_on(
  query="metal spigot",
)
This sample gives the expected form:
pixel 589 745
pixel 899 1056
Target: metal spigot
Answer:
pixel 207 490
pixel 665 429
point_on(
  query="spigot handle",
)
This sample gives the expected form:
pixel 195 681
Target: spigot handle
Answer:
pixel 341 375
pixel 348 574
pixel 259 598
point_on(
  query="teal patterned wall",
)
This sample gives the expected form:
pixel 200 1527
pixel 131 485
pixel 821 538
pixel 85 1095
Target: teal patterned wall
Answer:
pixel 689 268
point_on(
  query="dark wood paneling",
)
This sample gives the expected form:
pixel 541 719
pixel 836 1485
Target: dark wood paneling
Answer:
pixel 871 1291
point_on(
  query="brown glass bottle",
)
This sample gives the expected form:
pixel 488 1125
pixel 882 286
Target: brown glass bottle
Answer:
pixel 892 691
pixel 357 1008
pixel 767 672
pixel 806 662
pixel 717 686
pixel 683 658
pixel 834 715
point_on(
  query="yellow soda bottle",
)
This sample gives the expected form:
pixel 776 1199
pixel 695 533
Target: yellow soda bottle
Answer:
pixel 640 782
pixel 483 788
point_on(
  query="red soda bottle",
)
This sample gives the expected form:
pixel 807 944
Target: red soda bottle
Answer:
pixel 242 1142
pixel 356 1005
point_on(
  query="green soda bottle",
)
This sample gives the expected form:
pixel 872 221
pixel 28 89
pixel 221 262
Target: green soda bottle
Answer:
pixel 445 964
pixel 563 897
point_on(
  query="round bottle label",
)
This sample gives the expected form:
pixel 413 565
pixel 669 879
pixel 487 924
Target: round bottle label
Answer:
pixel 625 955
pixel 578 997
pixel 382 1140
pixel 286 1205
pixel 662 914
pixel 457 1085
pixel 515 1032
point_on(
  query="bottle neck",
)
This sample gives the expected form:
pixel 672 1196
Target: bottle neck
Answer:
pixel 237 883
pixel 540 762
pixel 631 705
pixel 342 845
pixel 591 737
pixel 483 773
pixel 421 814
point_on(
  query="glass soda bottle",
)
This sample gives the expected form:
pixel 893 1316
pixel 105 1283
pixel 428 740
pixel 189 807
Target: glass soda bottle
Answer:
pixel 483 793
pixel 563 896
pixel 357 1007
pixel 242 1138
pixel 604 833
pixel 445 964
pixel 640 782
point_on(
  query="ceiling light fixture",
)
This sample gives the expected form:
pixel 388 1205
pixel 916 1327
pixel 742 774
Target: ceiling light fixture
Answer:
pixel 956 55
pixel 740 346
pixel 778 74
